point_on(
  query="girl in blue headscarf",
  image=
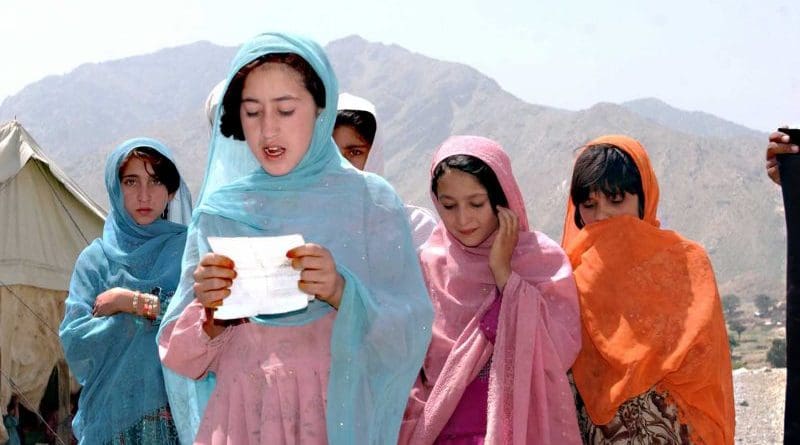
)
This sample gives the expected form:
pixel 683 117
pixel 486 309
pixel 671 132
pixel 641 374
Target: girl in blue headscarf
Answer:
pixel 120 286
pixel 340 370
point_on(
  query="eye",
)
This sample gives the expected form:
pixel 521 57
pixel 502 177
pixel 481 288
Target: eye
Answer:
pixel 286 113
pixel 251 112
pixel 477 205
pixel 618 198
pixel 155 181
pixel 129 182
pixel 587 204
pixel 448 206
pixel 355 153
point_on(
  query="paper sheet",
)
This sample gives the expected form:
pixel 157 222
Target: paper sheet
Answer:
pixel 265 282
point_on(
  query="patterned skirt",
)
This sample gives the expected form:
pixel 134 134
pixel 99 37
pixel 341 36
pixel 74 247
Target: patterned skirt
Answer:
pixel 648 419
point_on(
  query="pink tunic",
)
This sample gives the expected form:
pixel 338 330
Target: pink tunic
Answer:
pixel 271 381
pixel 529 400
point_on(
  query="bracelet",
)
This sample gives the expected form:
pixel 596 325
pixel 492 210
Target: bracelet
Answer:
pixel 136 295
pixel 150 306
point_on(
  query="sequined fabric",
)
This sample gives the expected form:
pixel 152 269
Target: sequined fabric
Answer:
pixel 156 428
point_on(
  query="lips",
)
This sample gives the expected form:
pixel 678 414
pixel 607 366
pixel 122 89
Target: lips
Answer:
pixel 467 232
pixel 144 211
pixel 274 152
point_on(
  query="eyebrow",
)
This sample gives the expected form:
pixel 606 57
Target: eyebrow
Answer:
pixel 474 195
pixel 284 98
pixel 351 146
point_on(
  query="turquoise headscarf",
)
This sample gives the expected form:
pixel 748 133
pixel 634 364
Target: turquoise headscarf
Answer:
pixel 115 358
pixel 382 327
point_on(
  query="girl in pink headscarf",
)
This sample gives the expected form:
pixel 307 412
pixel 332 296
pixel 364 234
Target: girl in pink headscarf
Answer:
pixel 507 325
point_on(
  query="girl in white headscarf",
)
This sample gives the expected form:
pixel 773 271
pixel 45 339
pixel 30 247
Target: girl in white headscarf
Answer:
pixel 358 137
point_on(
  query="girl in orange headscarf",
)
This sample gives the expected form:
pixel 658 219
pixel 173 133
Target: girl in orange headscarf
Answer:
pixel 654 366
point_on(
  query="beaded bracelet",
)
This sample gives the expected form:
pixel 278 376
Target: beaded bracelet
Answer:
pixel 136 295
pixel 150 306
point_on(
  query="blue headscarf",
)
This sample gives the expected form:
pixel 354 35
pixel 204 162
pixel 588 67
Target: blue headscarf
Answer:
pixel 382 327
pixel 115 358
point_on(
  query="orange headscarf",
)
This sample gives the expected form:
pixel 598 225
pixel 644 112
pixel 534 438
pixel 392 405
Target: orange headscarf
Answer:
pixel 651 316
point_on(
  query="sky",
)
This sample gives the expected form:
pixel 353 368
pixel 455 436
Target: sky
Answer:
pixel 737 59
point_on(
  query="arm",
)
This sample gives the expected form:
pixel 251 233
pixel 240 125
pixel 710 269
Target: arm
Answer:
pixel 84 337
pixel 190 339
pixel 186 347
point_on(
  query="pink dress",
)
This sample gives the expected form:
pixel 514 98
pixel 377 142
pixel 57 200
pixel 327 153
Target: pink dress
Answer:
pixel 537 335
pixel 253 363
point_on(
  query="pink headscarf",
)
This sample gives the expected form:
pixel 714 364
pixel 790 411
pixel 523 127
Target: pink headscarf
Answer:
pixel 538 335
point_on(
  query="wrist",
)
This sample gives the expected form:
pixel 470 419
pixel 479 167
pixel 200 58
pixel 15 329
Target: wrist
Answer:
pixel 501 276
pixel 125 301
pixel 338 291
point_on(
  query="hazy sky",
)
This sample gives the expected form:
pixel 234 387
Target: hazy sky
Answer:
pixel 737 59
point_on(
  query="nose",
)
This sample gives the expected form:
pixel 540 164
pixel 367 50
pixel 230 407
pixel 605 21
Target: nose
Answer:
pixel 143 192
pixel 269 126
pixel 462 217
pixel 603 210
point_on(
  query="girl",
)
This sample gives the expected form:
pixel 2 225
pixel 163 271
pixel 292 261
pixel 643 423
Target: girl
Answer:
pixel 655 365
pixel 506 328
pixel 340 370
pixel 356 134
pixel 120 285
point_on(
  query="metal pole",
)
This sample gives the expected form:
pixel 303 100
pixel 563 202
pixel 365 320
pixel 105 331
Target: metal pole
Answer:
pixel 789 165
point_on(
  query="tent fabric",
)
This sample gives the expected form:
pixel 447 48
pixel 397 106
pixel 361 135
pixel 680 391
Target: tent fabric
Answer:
pixel 45 219
pixel 29 316
pixel 45 222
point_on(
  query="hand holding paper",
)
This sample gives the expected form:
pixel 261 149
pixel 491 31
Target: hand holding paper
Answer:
pixel 319 275
pixel 265 281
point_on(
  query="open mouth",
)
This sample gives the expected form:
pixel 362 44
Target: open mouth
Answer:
pixel 274 152
pixel 144 211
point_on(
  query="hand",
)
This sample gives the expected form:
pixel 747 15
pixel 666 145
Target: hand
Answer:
pixel 113 301
pixel 778 144
pixel 213 278
pixel 318 275
pixel 503 246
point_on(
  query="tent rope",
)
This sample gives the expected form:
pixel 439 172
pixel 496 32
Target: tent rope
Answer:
pixel 18 392
pixel 63 206
pixel 44 322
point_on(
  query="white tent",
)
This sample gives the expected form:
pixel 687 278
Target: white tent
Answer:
pixel 45 222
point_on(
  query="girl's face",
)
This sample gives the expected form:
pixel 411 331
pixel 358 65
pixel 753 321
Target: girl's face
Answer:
pixel 599 207
pixel 464 207
pixel 145 197
pixel 278 115
pixel 354 148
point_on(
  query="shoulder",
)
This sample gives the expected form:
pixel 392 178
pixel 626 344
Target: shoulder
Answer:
pixel 91 255
pixel 538 255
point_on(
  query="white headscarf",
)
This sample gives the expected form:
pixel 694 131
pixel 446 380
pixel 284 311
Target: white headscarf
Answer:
pixel 422 220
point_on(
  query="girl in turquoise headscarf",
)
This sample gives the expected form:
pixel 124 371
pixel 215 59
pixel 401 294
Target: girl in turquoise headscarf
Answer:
pixel 120 284
pixel 340 370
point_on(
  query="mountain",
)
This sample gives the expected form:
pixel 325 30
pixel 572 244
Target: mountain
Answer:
pixel 696 123
pixel 713 187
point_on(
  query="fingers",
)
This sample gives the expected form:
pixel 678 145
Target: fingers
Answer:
pixel 317 289
pixel 775 148
pixel 213 278
pixel 308 249
pixel 779 137
pixel 317 276
pixel 508 221
pixel 309 262
pixel 774 174
pixel 312 257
